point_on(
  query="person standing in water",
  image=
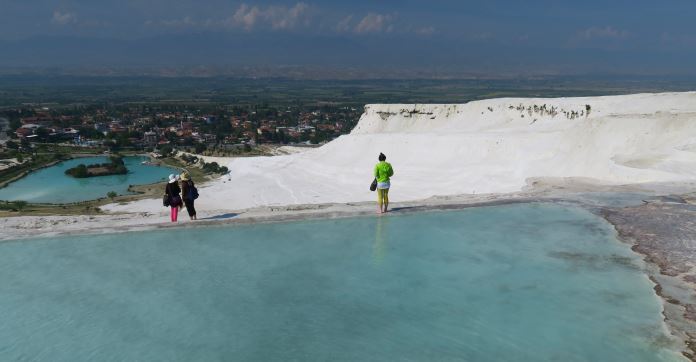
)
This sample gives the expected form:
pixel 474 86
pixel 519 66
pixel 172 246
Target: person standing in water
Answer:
pixel 172 190
pixel 383 172
pixel 189 193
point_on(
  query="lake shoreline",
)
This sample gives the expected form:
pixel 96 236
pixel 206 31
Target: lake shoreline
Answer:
pixel 123 184
pixel 662 231
pixel 26 173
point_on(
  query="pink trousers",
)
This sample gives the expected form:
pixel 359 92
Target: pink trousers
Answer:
pixel 175 213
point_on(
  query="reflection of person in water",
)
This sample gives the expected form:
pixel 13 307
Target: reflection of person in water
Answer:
pixel 379 248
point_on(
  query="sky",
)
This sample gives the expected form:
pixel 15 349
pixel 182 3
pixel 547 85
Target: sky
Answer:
pixel 494 36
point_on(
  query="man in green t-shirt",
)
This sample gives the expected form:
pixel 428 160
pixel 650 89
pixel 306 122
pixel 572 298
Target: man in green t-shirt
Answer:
pixel 383 171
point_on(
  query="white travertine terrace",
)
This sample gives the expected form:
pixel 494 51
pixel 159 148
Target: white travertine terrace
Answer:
pixel 489 146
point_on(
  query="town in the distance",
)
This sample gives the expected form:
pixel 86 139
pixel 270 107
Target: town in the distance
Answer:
pixel 218 130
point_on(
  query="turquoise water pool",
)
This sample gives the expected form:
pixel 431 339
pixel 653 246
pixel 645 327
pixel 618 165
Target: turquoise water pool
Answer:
pixel 529 282
pixel 52 185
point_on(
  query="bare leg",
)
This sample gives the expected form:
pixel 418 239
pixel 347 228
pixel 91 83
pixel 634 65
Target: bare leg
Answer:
pixel 380 200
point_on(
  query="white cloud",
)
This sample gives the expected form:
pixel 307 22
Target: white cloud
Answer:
pixel 245 16
pixel 343 25
pixel 281 17
pixel 275 17
pixel 607 32
pixel 63 18
pixel 284 19
pixel 426 30
pixel 375 23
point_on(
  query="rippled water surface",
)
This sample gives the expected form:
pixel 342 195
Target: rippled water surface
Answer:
pixel 532 282
pixel 52 185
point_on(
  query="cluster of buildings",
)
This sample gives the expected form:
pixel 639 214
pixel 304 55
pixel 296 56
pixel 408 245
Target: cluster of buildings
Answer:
pixel 45 126
pixel 150 129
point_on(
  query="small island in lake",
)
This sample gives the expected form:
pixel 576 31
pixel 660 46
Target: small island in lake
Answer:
pixel 115 167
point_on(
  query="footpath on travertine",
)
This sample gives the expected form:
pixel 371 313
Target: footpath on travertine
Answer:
pixel 34 226
pixel 484 147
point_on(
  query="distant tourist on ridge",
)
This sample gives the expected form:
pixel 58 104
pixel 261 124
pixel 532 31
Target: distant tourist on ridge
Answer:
pixel 171 196
pixel 189 193
pixel 383 171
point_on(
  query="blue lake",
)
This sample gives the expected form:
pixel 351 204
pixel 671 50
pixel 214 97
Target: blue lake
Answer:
pixel 52 185
pixel 534 282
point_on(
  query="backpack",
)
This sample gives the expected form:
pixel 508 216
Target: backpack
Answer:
pixel 192 191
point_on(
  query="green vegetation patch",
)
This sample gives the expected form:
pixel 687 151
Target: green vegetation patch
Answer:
pixel 115 167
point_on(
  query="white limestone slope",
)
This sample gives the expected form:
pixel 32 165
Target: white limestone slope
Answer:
pixel 490 146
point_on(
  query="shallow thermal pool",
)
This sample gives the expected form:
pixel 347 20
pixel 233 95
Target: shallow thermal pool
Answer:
pixel 532 282
pixel 52 185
